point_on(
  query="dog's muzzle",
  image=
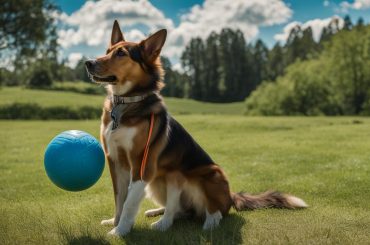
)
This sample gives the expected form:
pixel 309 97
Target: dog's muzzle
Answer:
pixel 91 71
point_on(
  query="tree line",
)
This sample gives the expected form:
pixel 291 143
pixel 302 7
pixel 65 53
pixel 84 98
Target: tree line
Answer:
pixel 335 82
pixel 225 68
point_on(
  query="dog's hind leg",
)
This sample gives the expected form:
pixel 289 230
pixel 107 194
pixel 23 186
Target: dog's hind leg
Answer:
pixel 217 195
pixel 173 206
pixel 212 220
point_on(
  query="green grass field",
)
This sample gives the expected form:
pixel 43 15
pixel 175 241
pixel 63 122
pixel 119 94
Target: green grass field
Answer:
pixel 325 161
pixel 46 98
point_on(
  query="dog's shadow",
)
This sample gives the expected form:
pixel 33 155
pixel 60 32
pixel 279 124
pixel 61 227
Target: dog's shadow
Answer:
pixel 183 231
pixel 86 239
pixel 189 231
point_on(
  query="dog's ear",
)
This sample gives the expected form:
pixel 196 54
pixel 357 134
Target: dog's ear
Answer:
pixel 116 34
pixel 152 45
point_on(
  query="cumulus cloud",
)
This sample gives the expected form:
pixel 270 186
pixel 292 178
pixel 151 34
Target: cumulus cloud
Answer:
pixel 357 4
pixel 73 59
pixel 92 23
pixel 213 15
pixel 317 25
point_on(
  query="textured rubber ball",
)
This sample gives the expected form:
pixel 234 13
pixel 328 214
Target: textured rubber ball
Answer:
pixel 74 160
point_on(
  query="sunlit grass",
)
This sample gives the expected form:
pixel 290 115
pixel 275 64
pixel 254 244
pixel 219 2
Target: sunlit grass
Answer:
pixel 326 161
pixel 47 98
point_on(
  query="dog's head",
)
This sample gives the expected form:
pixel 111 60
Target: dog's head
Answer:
pixel 135 66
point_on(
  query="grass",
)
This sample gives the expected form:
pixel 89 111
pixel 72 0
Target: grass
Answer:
pixel 10 95
pixel 325 161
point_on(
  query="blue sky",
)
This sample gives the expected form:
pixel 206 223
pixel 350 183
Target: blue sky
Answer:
pixel 269 18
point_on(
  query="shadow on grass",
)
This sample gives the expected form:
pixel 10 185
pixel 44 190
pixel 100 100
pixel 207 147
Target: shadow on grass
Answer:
pixel 86 239
pixel 84 236
pixel 189 231
pixel 183 231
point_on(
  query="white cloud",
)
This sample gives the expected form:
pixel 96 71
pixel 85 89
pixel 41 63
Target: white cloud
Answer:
pixel 317 25
pixel 326 3
pixel 73 59
pixel 92 23
pixel 90 26
pixel 357 4
pixel 213 15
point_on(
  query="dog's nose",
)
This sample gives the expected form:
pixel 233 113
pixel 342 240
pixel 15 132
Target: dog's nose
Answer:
pixel 89 64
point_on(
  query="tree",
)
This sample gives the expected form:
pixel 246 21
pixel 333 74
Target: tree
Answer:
pixel 233 65
pixel 350 68
pixel 193 61
pixel 347 23
pixel 276 63
pixel 360 22
pixel 212 67
pixel 174 82
pixel 260 63
pixel 292 45
pixel 80 70
pixel 26 27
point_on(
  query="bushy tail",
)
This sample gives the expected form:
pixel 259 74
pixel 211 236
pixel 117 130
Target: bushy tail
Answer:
pixel 269 199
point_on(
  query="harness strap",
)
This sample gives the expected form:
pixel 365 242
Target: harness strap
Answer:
pixel 146 150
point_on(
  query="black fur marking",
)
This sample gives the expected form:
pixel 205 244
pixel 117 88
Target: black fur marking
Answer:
pixel 193 155
pixel 163 120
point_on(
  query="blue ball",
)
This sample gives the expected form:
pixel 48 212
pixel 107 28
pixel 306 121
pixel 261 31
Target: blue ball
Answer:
pixel 74 160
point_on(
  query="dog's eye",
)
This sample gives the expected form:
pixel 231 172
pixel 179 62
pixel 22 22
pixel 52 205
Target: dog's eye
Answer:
pixel 120 52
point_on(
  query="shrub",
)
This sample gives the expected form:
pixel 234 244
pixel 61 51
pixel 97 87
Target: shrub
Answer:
pixel 23 111
pixel 304 90
pixel 40 78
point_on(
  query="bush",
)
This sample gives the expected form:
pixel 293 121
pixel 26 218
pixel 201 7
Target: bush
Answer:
pixel 40 78
pixel 304 90
pixel 22 111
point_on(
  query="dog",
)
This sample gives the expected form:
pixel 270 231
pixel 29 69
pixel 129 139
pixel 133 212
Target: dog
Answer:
pixel 148 151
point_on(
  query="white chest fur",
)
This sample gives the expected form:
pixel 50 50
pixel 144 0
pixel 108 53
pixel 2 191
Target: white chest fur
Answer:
pixel 122 137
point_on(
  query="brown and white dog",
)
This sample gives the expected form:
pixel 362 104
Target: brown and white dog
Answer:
pixel 179 176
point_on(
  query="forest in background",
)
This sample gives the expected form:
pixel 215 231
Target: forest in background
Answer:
pixel 300 77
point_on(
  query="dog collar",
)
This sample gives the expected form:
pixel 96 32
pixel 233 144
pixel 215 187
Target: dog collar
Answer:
pixel 120 103
pixel 120 99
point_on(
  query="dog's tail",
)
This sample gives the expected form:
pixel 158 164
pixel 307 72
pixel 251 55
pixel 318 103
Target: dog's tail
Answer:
pixel 269 199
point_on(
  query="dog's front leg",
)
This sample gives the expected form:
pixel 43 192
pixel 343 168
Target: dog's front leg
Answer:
pixel 136 193
pixel 120 179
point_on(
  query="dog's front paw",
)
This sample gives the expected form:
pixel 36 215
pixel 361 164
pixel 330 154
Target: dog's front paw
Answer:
pixel 107 221
pixel 162 224
pixel 120 230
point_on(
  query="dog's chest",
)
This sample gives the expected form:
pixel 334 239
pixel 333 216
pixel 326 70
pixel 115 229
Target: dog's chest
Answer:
pixel 122 138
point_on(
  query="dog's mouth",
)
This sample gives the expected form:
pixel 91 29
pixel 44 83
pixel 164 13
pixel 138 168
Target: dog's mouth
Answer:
pixel 108 79
pixel 99 79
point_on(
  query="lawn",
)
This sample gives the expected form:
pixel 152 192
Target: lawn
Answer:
pixel 325 161
pixel 46 98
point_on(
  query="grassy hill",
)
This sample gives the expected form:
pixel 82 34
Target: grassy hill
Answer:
pixel 46 98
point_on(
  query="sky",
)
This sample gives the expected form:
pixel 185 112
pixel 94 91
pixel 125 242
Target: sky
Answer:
pixel 84 27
